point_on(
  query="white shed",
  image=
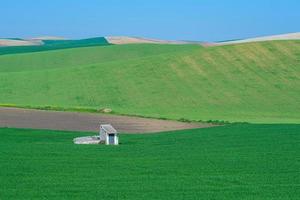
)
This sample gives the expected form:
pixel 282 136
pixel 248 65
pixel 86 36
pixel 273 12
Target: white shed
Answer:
pixel 109 134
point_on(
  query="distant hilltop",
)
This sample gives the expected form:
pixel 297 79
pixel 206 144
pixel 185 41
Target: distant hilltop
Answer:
pixel 119 40
pixel 289 36
pixel 49 38
pixel 140 40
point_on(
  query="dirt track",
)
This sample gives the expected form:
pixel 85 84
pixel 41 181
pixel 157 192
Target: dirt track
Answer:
pixel 73 121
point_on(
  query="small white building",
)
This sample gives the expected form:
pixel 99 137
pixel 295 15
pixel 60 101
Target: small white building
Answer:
pixel 109 134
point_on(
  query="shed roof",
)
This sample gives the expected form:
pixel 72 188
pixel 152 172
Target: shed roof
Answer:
pixel 108 128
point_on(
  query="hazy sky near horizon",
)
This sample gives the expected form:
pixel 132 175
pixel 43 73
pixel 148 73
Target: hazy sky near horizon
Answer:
pixel 202 20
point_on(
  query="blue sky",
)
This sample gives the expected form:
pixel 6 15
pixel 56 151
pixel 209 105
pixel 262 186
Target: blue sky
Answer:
pixel 202 20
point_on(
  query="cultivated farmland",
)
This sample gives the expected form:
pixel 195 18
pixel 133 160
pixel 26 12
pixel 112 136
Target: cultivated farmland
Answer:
pixel 254 82
pixel 231 162
pixel 49 43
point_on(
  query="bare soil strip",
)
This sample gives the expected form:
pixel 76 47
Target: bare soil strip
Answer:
pixel 74 121
pixel 289 36
pixel 11 42
pixel 138 40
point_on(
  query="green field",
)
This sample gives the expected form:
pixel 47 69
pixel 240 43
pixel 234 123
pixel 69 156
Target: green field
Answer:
pixel 254 82
pixel 54 45
pixel 232 162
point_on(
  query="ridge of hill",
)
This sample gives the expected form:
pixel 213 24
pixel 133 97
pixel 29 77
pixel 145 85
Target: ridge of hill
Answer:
pixel 289 36
pixel 48 38
pixel 52 44
pixel 121 40
pixel 139 40
pixel 11 42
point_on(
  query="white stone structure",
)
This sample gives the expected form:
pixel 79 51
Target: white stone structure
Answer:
pixel 88 140
pixel 109 134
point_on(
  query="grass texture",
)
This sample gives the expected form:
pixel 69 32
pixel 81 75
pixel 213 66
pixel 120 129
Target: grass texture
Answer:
pixel 232 162
pixel 254 82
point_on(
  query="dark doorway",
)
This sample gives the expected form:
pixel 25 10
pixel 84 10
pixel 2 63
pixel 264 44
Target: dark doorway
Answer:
pixel 111 138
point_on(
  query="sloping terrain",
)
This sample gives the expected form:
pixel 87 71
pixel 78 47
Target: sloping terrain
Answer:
pixel 139 40
pixel 51 44
pixel 18 42
pixel 253 82
pixel 290 36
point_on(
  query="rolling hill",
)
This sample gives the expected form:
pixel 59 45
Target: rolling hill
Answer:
pixel 289 36
pixel 251 82
pixel 47 44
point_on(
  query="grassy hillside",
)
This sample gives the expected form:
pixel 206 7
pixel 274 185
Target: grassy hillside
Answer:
pixel 54 45
pixel 232 162
pixel 256 82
